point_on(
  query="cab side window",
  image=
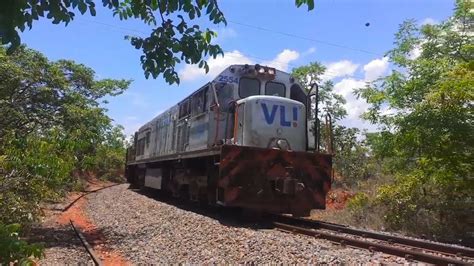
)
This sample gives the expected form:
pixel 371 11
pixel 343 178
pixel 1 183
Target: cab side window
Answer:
pixel 297 94
pixel 184 108
pixel 199 102
pixel 225 96
pixel 147 140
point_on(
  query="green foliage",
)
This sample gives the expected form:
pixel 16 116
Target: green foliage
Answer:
pixel 352 156
pixel 358 202
pixel 329 102
pixel 173 39
pixel 108 160
pixel 426 109
pixel 351 160
pixel 51 126
pixel 35 169
pixel 14 250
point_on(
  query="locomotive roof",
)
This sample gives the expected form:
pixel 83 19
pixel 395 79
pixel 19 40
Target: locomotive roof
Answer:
pixel 235 66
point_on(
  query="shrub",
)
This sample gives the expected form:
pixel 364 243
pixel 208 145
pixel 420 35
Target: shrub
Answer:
pixel 358 202
pixel 14 250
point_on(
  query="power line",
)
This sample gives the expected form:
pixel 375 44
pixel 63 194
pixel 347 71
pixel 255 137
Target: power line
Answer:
pixel 122 29
pixel 126 30
pixel 303 38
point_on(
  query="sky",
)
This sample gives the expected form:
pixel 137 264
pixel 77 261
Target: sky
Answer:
pixel 269 32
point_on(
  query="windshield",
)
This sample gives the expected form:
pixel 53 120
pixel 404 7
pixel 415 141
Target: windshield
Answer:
pixel 275 89
pixel 249 87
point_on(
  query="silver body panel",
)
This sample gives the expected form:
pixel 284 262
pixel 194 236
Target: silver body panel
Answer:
pixel 172 132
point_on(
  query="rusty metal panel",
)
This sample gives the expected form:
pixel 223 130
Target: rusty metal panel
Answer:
pixel 274 180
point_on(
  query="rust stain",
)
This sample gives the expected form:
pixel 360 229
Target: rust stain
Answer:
pixel 267 179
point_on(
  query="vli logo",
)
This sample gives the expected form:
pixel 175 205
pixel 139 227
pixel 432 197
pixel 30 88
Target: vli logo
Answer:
pixel 270 115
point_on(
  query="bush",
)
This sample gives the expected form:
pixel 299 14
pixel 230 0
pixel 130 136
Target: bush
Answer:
pixel 419 203
pixel 14 250
pixel 358 202
pixel 35 169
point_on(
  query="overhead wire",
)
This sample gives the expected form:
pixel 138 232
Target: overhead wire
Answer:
pixel 227 52
pixel 291 35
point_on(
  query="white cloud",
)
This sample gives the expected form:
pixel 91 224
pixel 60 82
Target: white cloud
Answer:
pixel 218 64
pixel 355 107
pixel 415 53
pixel 339 69
pixel 376 68
pixel 430 21
pixel 282 60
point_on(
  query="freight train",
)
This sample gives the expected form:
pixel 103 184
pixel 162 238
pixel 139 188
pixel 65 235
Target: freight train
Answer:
pixel 248 138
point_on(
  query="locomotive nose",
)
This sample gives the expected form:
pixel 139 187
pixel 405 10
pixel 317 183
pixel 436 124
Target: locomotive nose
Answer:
pixel 271 122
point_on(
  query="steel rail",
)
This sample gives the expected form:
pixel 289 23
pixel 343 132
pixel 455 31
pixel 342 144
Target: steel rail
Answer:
pixel 438 247
pixel 79 234
pixel 85 194
pixel 372 246
pixel 86 245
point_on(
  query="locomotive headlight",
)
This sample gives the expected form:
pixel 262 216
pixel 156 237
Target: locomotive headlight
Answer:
pixel 271 71
pixel 260 69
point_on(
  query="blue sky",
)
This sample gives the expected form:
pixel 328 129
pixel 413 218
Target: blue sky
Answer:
pixel 334 33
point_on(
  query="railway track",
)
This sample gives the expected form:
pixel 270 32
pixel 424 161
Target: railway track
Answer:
pixel 78 232
pixel 411 249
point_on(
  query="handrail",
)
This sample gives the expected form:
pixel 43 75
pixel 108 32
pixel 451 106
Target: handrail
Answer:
pixel 315 87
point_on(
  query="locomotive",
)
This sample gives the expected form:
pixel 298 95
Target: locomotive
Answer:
pixel 249 139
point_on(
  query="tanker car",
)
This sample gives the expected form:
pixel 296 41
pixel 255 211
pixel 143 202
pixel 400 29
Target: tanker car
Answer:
pixel 245 139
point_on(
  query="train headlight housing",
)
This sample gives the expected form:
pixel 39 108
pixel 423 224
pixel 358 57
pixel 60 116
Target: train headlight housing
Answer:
pixel 266 72
pixel 260 69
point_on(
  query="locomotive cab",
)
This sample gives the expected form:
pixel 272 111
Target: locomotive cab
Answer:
pixel 262 107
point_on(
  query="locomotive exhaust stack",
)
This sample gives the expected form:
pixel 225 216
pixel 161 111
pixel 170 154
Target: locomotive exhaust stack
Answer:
pixel 241 140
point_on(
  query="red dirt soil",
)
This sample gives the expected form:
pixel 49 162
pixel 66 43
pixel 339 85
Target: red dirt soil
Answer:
pixel 93 235
pixel 337 199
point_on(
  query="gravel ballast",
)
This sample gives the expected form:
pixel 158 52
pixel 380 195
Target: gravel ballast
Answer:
pixel 146 230
pixel 61 244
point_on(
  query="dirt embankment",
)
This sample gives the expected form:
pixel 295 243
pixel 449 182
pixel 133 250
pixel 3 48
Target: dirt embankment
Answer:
pixel 62 245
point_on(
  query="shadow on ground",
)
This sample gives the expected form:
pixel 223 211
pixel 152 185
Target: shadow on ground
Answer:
pixel 57 236
pixel 228 216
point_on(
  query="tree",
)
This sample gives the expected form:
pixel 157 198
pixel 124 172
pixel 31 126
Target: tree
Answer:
pixel 39 95
pixel 349 152
pixel 426 109
pixel 51 125
pixel 173 39
pixel 330 102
